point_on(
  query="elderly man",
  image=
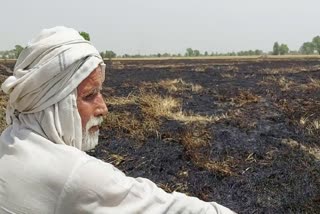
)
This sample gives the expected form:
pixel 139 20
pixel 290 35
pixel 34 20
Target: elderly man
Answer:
pixel 54 111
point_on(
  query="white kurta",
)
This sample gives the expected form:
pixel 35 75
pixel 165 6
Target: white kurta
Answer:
pixel 38 176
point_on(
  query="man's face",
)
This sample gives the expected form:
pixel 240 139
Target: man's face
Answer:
pixel 90 101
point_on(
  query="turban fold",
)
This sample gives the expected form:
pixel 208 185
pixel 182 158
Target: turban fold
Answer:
pixel 42 89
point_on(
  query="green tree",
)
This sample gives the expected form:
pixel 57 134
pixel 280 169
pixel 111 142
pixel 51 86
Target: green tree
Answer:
pixel 189 52
pixel 102 54
pixel 276 48
pixel 18 49
pixel 5 54
pixel 85 35
pixel 283 49
pixel 196 53
pixel 110 54
pixel 258 52
pixel 307 48
pixel 316 43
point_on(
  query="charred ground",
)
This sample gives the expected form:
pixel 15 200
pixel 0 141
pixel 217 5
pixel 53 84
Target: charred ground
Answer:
pixel 244 133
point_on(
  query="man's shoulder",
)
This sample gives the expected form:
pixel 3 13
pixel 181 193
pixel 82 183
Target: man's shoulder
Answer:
pixel 38 156
pixel 36 167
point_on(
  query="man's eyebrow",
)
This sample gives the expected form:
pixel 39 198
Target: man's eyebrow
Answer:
pixel 96 89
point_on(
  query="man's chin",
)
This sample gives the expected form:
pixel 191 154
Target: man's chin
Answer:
pixel 90 140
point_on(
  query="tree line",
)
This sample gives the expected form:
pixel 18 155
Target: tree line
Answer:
pixel 311 47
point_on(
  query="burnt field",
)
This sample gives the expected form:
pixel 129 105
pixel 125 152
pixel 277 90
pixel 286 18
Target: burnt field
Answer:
pixel 241 132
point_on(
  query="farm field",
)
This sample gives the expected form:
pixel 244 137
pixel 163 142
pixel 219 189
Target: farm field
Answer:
pixel 241 132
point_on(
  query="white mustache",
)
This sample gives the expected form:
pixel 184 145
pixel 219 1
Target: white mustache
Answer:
pixel 94 121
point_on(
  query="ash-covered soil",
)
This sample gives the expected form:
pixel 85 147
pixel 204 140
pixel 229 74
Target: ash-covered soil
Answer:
pixel 262 154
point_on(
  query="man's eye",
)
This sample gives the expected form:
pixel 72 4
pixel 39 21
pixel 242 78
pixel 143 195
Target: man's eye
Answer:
pixel 90 96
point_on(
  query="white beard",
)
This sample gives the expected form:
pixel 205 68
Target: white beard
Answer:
pixel 90 140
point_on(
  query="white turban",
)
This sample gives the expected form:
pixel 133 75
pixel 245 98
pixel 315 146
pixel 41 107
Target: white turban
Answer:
pixel 42 90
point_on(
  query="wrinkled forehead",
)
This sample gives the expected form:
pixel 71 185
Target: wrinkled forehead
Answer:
pixel 93 81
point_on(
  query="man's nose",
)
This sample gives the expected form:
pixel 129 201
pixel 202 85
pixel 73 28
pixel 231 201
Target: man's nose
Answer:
pixel 102 107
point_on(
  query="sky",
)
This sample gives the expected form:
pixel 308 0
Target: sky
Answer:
pixel 159 26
